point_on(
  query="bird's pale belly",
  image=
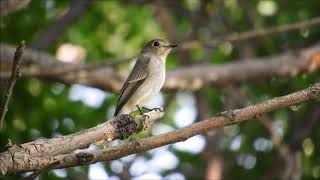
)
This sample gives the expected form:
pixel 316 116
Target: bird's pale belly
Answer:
pixel 150 88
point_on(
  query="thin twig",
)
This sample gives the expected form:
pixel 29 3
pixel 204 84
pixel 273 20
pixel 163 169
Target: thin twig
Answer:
pixel 283 149
pixel 235 37
pixel 14 76
pixel 10 6
pixel 49 36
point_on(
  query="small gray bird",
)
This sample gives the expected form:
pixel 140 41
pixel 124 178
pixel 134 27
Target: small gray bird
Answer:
pixel 146 78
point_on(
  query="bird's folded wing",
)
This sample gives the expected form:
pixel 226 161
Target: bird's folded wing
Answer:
pixel 137 76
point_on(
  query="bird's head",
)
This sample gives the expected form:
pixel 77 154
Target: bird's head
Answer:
pixel 158 47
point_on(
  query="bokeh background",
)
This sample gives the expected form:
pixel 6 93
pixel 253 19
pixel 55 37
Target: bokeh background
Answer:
pixel 114 29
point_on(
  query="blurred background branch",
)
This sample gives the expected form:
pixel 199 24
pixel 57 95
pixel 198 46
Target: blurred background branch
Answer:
pixel 10 6
pixel 254 34
pixel 50 35
pixel 15 74
pixel 43 66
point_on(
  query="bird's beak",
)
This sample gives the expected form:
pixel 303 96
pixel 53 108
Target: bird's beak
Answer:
pixel 171 45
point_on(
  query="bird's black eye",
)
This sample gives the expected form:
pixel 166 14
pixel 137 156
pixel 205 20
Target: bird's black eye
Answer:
pixel 156 44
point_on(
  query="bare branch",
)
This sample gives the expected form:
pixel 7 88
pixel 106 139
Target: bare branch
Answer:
pixel 44 66
pixel 175 7
pixel 212 152
pixel 13 78
pixel 257 33
pixel 47 37
pixel 303 130
pixel 299 134
pixel 19 157
pixel 12 163
pixel 165 20
pixel 10 6
pixel 284 150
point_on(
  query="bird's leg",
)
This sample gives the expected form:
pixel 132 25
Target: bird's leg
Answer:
pixel 141 113
pixel 155 109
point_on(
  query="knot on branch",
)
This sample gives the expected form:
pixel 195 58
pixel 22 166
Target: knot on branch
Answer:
pixel 315 92
pixel 229 115
pixel 126 125
pixel 136 145
pixel 84 158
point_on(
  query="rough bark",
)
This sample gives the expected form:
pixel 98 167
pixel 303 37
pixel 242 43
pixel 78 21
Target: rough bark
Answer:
pixel 28 155
pixel 11 163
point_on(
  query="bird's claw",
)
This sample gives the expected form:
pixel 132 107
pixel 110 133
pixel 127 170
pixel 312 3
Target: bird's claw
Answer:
pixel 158 109
pixel 141 113
pixel 146 116
pixel 154 109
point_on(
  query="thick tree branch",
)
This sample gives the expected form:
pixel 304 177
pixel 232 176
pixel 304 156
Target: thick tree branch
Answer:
pixel 44 66
pixel 25 156
pixel 11 163
pixel 257 33
pixel 13 78
pixel 10 6
pixel 47 37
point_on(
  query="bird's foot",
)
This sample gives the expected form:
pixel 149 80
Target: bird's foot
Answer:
pixel 141 113
pixel 146 116
pixel 154 109
pixel 158 109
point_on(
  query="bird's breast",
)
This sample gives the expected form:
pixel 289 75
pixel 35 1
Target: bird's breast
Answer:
pixel 157 73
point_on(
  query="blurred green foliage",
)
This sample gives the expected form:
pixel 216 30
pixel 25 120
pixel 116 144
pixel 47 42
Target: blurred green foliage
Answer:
pixel 114 29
